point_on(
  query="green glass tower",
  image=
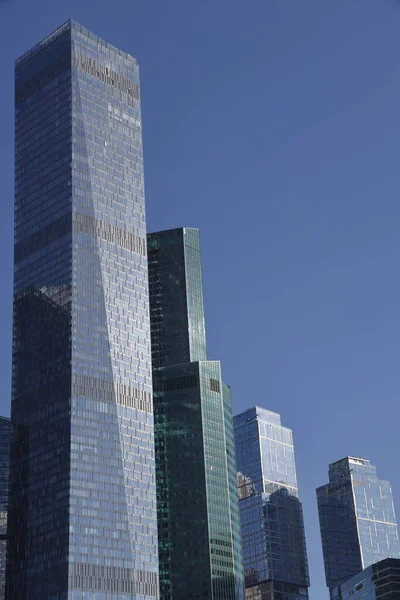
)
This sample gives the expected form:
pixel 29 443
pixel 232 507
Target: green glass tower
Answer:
pixel 198 515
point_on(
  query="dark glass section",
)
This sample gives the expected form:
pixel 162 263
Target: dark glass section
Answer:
pixel 198 519
pixel 5 439
pixel 380 581
pixel 338 523
pixel 82 517
pixel 38 521
pixel 38 513
pixel 357 520
pixel 38 517
pixel 177 311
pixel 181 491
pixel 273 538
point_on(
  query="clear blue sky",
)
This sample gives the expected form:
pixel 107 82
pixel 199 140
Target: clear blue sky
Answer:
pixel 273 126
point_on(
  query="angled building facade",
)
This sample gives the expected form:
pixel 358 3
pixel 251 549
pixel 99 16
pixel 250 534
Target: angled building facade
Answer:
pixel 274 547
pixel 82 518
pixel 357 520
pixel 5 439
pixel 198 519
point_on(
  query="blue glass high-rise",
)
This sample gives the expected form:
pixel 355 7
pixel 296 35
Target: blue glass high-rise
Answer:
pixel 5 439
pixel 82 519
pixel 274 547
pixel 357 520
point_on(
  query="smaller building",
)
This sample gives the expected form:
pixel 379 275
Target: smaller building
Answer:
pixel 357 520
pixel 5 436
pixel 271 515
pixel 380 581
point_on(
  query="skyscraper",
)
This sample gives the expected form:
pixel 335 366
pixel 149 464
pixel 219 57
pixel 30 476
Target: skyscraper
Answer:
pixel 5 437
pixel 357 520
pixel 271 515
pixel 82 519
pixel 380 581
pixel 198 518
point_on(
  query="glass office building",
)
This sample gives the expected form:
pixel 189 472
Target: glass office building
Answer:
pixel 357 520
pixel 198 515
pixel 380 581
pixel 5 438
pixel 273 538
pixel 82 519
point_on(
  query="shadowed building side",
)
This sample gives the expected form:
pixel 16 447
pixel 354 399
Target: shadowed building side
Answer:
pixel 5 439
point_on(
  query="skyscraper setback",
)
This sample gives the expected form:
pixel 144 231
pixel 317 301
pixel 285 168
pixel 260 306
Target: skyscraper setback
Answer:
pixel 198 518
pixel 357 519
pixel 274 547
pixel 82 517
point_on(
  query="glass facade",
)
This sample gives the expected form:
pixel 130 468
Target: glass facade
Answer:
pixel 273 538
pixel 380 581
pixel 83 522
pixel 357 520
pixel 178 333
pixel 198 516
pixel 5 439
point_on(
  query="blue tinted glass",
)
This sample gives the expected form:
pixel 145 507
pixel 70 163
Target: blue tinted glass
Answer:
pixel 358 523
pixel 83 499
pixel 380 581
pixel 274 551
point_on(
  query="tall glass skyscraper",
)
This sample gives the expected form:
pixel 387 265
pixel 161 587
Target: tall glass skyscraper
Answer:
pixel 274 547
pixel 357 520
pixel 198 514
pixel 5 438
pixel 82 519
